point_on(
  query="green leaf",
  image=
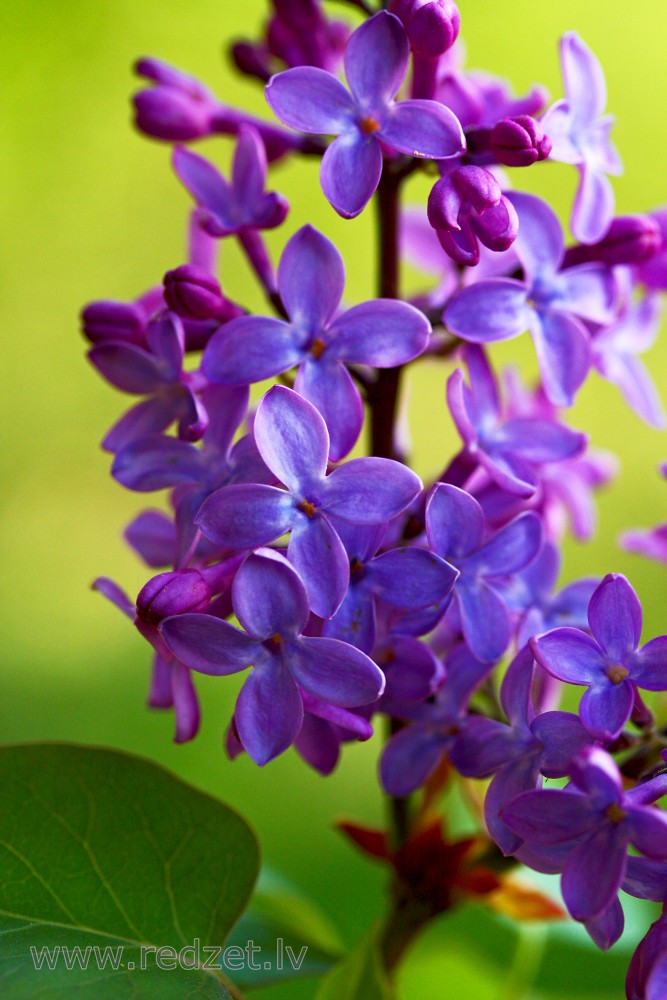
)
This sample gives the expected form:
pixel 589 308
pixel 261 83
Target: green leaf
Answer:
pixel 359 976
pixel 295 936
pixel 102 850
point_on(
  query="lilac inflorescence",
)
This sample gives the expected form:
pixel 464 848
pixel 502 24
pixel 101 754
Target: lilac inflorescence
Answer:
pixel 357 590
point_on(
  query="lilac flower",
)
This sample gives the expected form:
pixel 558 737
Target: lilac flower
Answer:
pixel 509 450
pixel 271 604
pixel 630 239
pixel 406 579
pixel 600 820
pixel 518 753
pixel 466 207
pixel 614 354
pixel 314 101
pixel 194 293
pixel 579 133
pixel 549 302
pixel 311 275
pixel 519 141
pixel 455 526
pixel 647 972
pixel 653 272
pixel 651 542
pixel 414 753
pixel 232 207
pixel 609 664
pixel 157 373
pixel 293 441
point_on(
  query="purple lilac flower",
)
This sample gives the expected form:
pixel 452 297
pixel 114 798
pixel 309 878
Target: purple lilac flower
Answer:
pixel 647 972
pixel 413 673
pixel 466 207
pixel 365 120
pixel 579 133
pixel 509 450
pixel 550 303
pixel 651 542
pixel 519 141
pixel 383 333
pixel 157 373
pixel 194 293
pixel 406 579
pixel 630 239
pixel 608 663
pixel 653 273
pixel 598 820
pixel 270 602
pixel 241 204
pixel 519 753
pixel 293 441
pixel 455 526
pixel 414 753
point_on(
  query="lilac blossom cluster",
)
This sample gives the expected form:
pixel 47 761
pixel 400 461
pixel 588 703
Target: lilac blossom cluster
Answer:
pixel 355 590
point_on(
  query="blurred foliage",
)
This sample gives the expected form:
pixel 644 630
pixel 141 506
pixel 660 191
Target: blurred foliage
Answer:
pixel 91 210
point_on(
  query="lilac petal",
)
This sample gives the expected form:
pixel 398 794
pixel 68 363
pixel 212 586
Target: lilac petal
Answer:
pixel 370 490
pixel 292 438
pixel 484 619
pixel 510 471
pixel 549 816
pixel 249 349
pixel 511 548
pixel 376 60
pixel 409 758
pixel 461 406
pixel 605 710
pixel 226 407
pixel 557 125
pixel 587 290
pixel 593 207
pixel 383 333
pixel 151 534
pixel 562 736
pixel 539 245
pixel 648 666
pixel 327 384
pixel 570 655
pixel 540 440
pixel 583 78
pixel 269 712
pixel 648 542
pixel 166 339
pixel 424 129
pixel 268 597
pixel 656 984
pixel 412 671
pixel 638 388
pixel 563 354
pixel 454 521
pixel 483 747
pixel 515 691
pixel 127 367
pixel 311 278
pixel 186 705
pixel 335 672
pixel 354 622
pixel 248 169
pixel 311 100
pixel 649 832
pixel 594 872
pixel 246 515
pixel 354 725
pixel 411 578
pixel 160 694
pixel 350 172
pixel 615 617
pixel 319 557
pixel 109 589
pixel 318 744
pixel 489 310
pixel 156 463
pixel 511 781
pixel 207 644
pixel 207 186
pixel 646 879
pixel 607 927
pixel 148 417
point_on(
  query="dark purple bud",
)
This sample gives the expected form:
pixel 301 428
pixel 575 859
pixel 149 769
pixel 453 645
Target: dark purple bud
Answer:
pixel 251 59
pixel 194 293
pixel 432 26
pixel 107 320
pixel 466 207
pixel 178 109
pixel 520 141
pixel 630 239
pixel 169 594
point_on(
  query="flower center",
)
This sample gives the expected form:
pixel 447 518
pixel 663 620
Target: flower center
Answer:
pixel 368 125
pixel 615 814
pixel 617 673
pixel 307 507
pixel 356 566
pixel 317 348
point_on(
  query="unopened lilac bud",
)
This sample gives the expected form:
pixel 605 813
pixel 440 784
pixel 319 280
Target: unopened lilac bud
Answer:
pixel 466 207
pixel 520 141
pixel 194 293
pixel 179 108
pixel 630 239
pixel 432 26
pixel 107 320
pixel 251 59
pixel 169 594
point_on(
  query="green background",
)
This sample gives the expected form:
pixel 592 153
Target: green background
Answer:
pixel 90 210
